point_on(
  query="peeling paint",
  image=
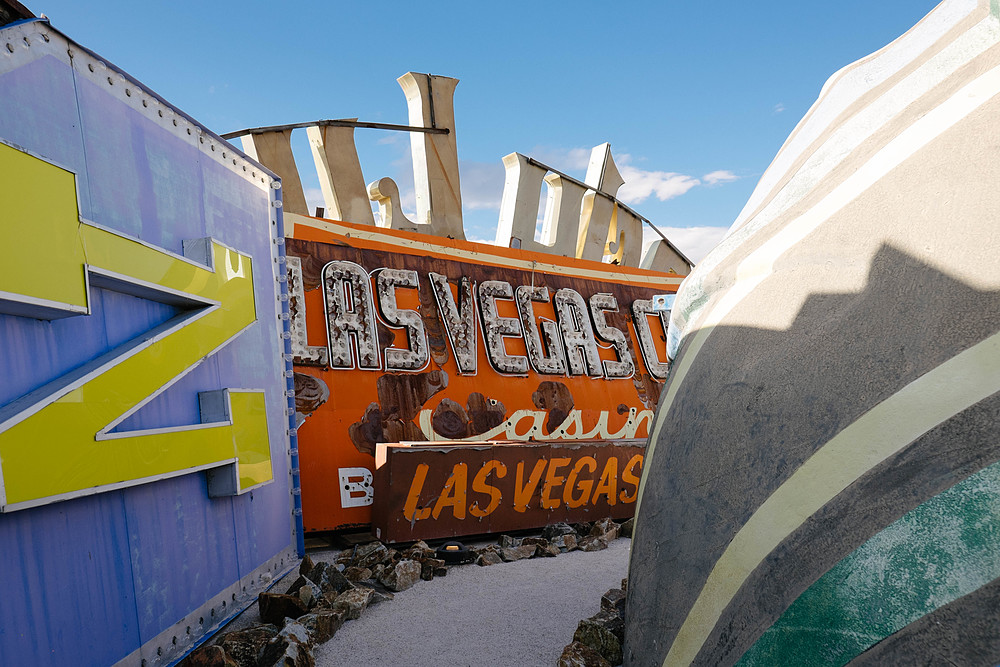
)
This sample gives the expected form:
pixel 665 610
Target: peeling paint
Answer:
pixel 557 399
pixel 310 393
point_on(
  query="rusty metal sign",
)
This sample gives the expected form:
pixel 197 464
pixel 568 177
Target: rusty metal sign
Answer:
pixel 429 491
pixel 399 337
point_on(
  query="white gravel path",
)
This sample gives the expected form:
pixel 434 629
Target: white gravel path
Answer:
pixel 517 614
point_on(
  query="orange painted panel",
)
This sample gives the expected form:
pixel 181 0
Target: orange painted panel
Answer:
pixel 395 356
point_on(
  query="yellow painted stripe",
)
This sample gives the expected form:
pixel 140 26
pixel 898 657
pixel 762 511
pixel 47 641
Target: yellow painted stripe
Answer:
pixel 887 428
pixel 373 234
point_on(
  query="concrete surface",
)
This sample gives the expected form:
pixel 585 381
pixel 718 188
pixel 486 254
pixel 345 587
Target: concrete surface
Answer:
pixel 517 614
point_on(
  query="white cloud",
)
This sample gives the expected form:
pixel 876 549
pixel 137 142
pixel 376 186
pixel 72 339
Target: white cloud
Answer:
pixel 694 242
pixel 779 107
pixel 482 184
pixel 314 198
pixel 640 185
pixel 566 161
pixel 720 176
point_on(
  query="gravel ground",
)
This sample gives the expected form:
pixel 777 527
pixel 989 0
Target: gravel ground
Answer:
pixel 517 614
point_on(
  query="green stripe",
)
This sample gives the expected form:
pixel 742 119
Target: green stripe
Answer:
pixel 945 548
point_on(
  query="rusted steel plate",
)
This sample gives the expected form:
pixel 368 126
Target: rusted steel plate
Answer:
pixel 398 338
pixel 428 491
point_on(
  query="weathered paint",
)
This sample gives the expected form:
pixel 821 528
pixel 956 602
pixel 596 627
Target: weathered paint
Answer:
pixel 141 567
pixel 519 348
pixel 76 416
pixel 835 383
pixel 942 550
pixel 444 490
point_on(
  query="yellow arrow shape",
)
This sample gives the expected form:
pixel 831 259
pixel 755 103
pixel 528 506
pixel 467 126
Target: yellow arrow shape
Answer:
pixel 55 443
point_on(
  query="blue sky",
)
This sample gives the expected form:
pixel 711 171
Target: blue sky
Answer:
pixel 695 97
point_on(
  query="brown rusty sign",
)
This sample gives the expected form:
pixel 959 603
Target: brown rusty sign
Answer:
pixel 429 491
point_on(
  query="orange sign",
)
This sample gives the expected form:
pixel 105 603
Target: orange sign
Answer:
pixel 399 336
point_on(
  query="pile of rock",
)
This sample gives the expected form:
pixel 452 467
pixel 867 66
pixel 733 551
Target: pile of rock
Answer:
pixel 598 640
pixel 325 595
pixel 555 539
pixel 318 602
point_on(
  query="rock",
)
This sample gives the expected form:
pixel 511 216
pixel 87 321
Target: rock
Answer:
pixel 306 590
pixel 508 542
pixel 625 584
pixel 603 632
pixel 605 528
pixel 625 530
pixel 371 554
pixel 614 601
pixel 556 529
pixel 488 557
pixel 429 566
pixel 581 655
pixel 593 544
pixel 401 576
pixel 379 592
pixel 329 579
pixel 289 648
pixel 321 625
pixel 210 656
pixel 542 546
pixel 548 551
pixel 353 602
pixel 582 529
pixel 418 551
pixel 566 542
pixel 245 646
pixel 355 574
pixel 276 607
pixel 441 571
pixel 517 553
pixel 306 566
